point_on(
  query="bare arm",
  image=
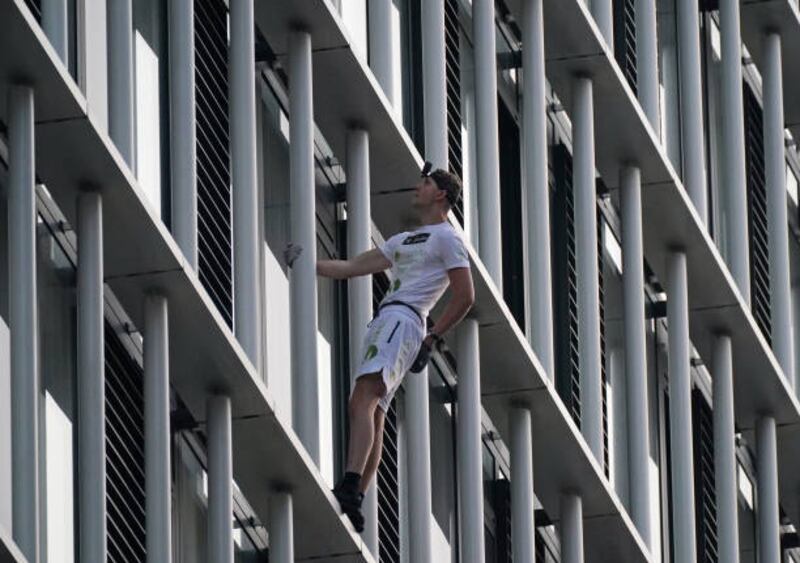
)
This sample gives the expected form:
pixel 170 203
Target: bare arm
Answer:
pixel 368 262
pixel 461 300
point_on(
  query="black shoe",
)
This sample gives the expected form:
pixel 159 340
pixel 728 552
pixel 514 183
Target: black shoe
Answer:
pixel 350 503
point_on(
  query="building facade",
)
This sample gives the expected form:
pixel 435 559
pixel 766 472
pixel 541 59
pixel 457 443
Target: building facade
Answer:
pixel 625 388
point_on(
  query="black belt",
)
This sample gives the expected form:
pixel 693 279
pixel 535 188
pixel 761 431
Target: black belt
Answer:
pixel 406 305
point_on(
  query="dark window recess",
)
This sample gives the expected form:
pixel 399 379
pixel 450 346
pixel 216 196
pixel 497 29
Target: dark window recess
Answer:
pixel 565 281
pixel 389 470
pixel 757 213
pixel 213 156
pixel 625 39
pixel 453 77
pixel 603 369
pixel 35 6
pixel 411 45
pixel 125 485
pixel 502 499
pixel 511 214
pixel 704 485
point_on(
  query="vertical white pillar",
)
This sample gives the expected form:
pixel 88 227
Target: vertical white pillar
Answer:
pixel 588 275
pixel 91 380
pixel 468 440
pixel 55 16
pixel 381 45
pixel 603 14
pixel 220 479
pixel 775 173
pixel 647 84
pixel 571 529
pixel 434 82
pixel 488 143
pixel 691 105
pixel 734 181
pixel 419 467
pixel 767 491
pixel 183 137
pixel 120 77
pixel 635 349
pixel 247 304
pixel 523 530
pixel 536 191
pixel 281 528
pixel 725 451
pixel 303 216
pixel 23 321
pixel 360 288
pixel 158 481
pixel 680 415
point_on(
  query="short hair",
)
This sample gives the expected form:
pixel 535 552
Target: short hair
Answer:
pixel 448 182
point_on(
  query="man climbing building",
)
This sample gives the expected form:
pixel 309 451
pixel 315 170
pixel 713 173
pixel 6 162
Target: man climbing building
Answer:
pixel 423 262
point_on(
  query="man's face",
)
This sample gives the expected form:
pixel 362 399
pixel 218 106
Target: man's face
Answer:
pixel 426 193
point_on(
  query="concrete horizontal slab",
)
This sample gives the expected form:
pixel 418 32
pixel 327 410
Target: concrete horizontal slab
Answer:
pixel 141 256
pixel 9 552
pixel 262 465
pixel 564 464
pixel 781 16
pixel 26 60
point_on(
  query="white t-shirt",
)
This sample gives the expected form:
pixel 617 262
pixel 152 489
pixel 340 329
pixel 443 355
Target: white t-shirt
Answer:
pixel 420 261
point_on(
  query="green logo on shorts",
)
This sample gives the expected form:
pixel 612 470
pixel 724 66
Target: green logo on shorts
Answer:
pixel 396 285
pixel 372 351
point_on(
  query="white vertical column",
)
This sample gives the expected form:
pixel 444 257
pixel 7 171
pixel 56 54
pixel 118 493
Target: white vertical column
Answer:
pixel 488 143
pixel 468 440
pixel 120 77
pixel 281 528
pixel 635 349
pixel 734 181
pixel 767 490
pixel 220 479
pixel 691 105
pixel 775 173
pixel 183 137
pixel 588 275
pixel 523 530
pixel 158 482
pixel 571 529
pixel 23 321
pixel 91 380
pixel 603 14
pixel 725 451
pixel 360 288
pixel 647 85
pixel 419 467
pixel 247 304
pixel 55 16
pixel 303 216
pixel 536 191
pixel 381 45
pixel 434 82
pixel 680 415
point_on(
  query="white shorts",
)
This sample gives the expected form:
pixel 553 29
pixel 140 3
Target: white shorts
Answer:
pixel 390 346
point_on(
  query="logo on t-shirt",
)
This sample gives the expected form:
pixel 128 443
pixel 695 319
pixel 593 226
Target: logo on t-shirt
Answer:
pixel 416 239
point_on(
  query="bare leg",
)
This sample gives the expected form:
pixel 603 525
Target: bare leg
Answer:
pixel 363 404
pixel 375 454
